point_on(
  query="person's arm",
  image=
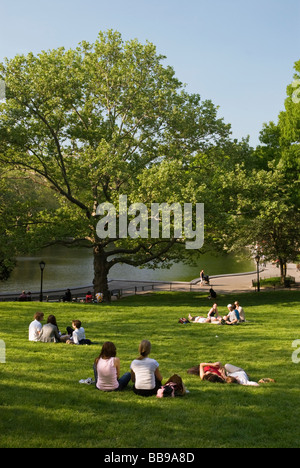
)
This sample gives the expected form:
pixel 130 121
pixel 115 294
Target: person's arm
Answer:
pixel 158 374
pixel 132 376
pixel 117 366
pixel 75 337
pixel 201 369
pixel 56 333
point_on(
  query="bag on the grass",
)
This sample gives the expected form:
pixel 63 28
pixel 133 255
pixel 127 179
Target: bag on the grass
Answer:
pixel 172 388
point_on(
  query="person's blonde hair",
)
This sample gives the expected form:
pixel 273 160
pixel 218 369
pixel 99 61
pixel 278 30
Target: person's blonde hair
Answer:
pixel 144 349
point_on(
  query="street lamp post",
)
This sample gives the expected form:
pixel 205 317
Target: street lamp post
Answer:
pixel 42 267
pixel 257 258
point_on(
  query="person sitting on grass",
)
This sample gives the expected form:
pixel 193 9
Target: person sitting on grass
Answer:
pixel 35 327
pixel 89 297
pixel 213 313
pixel 107 370
pixel 77 335
pixel 50 332
pixel 145 372
pixel 232 318
pixel 241 311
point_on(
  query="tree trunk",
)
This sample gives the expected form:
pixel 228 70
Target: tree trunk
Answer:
pixel 100 273
pixel 282 264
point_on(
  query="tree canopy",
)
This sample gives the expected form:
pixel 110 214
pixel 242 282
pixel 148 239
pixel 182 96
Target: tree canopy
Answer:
pixel 99 121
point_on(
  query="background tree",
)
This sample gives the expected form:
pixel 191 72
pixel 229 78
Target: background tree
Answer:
pixel 266 196
pixel 21 200
pixel 93 123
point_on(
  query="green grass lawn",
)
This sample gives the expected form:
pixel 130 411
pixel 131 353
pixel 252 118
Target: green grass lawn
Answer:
pixel 42 403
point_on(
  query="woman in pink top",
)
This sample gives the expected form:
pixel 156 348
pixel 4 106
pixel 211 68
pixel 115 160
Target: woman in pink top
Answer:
pixel 107 370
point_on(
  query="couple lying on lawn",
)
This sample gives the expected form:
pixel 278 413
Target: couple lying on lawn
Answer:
pixel 216 372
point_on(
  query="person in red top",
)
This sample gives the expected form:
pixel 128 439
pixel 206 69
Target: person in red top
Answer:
pixel 89 297
pixel 214 372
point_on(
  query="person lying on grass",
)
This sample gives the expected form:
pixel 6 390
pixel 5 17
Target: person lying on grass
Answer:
pixel 216 372
pixel 200 319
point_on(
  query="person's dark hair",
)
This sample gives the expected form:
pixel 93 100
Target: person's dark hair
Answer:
pixel 231 380
pixel 108 350
pixel 195 370
pixel 52 319
pixel 76 323
pixel 214 378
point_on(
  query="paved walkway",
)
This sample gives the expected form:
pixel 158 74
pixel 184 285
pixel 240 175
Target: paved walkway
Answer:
pixel 243 282
pixel 222 284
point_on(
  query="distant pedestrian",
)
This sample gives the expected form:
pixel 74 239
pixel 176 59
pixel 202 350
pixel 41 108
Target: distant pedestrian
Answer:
pixel 201 277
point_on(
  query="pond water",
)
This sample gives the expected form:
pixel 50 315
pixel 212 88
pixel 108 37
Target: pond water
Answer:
pixel 73 268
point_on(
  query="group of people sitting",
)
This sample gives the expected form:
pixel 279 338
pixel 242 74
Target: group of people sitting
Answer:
pixel 144 373
pixel 147 378
pixel 24 296
pixel 235 315
pixel 88 299
pixel 50 333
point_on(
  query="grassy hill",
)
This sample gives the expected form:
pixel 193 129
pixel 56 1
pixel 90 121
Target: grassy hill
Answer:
pixel 42 403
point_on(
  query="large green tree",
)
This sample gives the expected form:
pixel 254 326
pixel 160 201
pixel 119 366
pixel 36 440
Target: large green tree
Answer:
pixel 94 123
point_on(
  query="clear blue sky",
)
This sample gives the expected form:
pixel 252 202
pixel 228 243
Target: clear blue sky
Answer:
pixel 238 53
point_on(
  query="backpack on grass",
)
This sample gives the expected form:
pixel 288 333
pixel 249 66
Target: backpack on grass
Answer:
pixel 172 388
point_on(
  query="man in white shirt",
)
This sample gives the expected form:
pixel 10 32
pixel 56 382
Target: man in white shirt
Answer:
pixel 35 327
